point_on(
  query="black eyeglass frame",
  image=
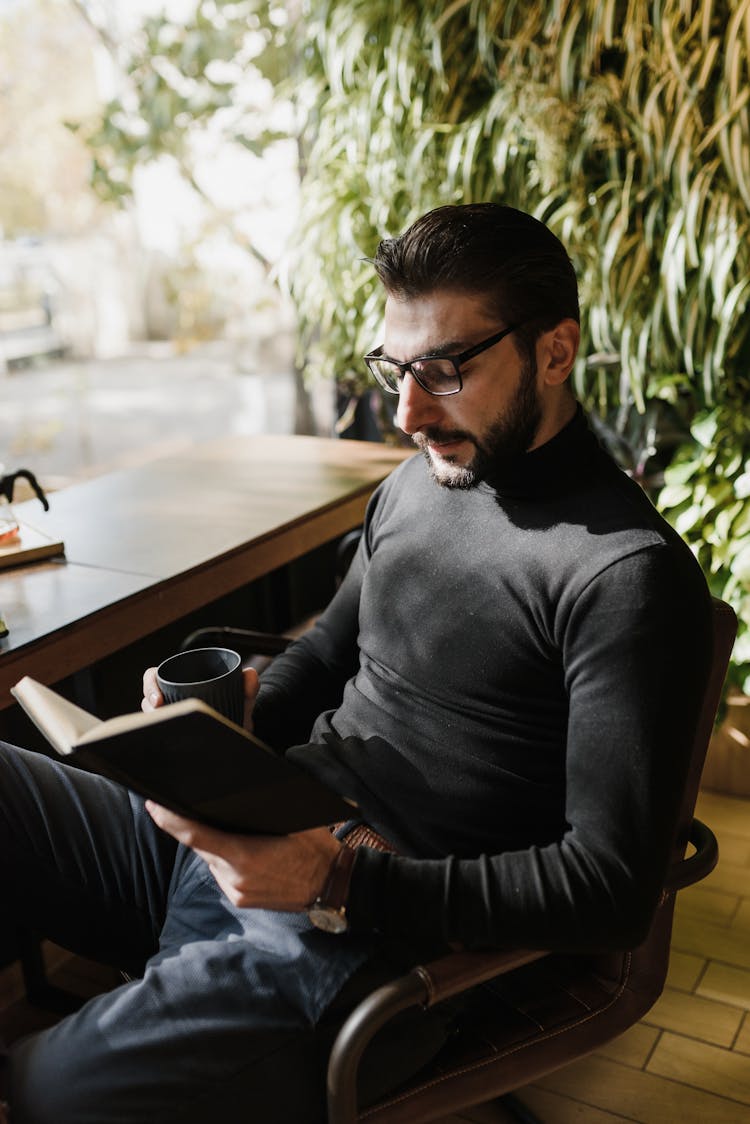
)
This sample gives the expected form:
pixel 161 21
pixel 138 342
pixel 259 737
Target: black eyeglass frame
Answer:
pixel 456 360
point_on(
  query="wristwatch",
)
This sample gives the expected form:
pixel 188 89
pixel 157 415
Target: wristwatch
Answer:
pixel 328 911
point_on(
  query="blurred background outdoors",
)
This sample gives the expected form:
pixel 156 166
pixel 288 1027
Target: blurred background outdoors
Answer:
pixel 128 332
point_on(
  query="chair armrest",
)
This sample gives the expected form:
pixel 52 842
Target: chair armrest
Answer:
pixel 242 640
pixel 685 872
pixel 426 985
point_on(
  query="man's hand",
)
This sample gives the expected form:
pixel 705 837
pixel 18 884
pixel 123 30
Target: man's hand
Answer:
pixel 285 872
pixel 152 696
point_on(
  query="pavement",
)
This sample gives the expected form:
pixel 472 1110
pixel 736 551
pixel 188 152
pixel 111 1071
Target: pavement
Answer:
pixel 67 420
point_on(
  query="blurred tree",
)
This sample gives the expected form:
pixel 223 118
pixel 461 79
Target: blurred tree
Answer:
pixel 191 88
pixel 43 169
pixel 188 87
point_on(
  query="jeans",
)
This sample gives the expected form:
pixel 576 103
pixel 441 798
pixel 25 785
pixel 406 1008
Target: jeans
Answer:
pixel 234 1010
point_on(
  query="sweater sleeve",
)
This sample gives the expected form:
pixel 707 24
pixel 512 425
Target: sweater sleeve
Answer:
pixel 635 645
pixel 309 677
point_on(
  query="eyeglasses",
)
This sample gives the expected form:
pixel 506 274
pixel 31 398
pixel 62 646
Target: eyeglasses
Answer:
pixel 437 374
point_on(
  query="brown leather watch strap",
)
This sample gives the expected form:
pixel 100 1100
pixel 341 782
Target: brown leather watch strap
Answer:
pixel 336 888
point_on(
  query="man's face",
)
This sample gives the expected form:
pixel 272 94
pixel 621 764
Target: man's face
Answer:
pixel 497 413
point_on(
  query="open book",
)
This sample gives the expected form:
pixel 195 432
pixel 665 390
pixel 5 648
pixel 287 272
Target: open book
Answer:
pixel 188 757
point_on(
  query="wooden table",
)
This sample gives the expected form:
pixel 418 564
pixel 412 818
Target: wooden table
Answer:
pixel 146 546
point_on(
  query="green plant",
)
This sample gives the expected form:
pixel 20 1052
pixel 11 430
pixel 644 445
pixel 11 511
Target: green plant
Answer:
pixel 622 125
pixel 706 495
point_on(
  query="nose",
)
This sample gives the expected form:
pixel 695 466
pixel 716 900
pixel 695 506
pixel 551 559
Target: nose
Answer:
pixel 416 408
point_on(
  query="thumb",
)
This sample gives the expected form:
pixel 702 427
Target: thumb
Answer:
pixel 252 683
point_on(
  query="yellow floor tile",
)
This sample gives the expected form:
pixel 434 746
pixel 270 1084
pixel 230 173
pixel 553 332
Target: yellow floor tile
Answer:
pixel 727 984
pixel 709 902
pixel 633 1047
pixel 712 941
pixel 684 970
pixel 741 921
pixel 695 1017
pixel 728 876
pixel 562 1110
pixel 724 813
pixel 702 1067
pixel 638 1096
pixel 742 1045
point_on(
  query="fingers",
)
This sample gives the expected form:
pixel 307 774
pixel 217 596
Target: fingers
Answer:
pixel 267 872
pixel 189 832
pixel 152 696
pixel 205 841
pixel 252 686
pixel 252 683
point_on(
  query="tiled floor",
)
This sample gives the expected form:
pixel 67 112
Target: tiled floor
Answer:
pixel 687 1062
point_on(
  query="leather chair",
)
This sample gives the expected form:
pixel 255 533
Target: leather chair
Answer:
pixel 530 1012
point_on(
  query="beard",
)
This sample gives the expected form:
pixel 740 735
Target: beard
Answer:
pixel 509 436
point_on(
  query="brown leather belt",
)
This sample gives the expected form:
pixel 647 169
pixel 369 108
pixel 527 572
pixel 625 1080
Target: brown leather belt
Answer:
pixel 361 835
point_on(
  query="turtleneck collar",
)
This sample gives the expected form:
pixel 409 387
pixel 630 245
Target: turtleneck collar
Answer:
pixel 550 469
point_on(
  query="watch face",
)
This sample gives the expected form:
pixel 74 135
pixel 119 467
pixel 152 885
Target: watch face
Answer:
pixel 328 919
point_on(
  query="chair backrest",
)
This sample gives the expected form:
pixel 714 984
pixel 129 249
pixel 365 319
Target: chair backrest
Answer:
pixel 537 1017
pixel 724 633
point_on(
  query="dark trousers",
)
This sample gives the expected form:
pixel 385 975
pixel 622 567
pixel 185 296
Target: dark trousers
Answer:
pixel 233 1012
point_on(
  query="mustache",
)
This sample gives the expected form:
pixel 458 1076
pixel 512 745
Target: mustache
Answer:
pixel 435 436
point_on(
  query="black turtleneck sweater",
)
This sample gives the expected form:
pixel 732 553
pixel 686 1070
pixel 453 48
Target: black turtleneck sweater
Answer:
pixel 506 684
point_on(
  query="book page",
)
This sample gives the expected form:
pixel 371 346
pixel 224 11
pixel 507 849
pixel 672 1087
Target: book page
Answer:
pixel 61 722
pixel 129 723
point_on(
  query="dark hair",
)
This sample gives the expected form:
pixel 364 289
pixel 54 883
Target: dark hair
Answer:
pixel 504 256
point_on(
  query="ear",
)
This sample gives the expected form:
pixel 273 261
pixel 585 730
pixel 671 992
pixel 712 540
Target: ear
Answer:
pixel 558 351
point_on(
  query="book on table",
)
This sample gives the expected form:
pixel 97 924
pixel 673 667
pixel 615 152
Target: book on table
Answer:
pixel 188 757
pixel 28 545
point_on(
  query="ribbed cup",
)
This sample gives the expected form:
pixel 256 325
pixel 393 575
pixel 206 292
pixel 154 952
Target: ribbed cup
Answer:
pixel 211 674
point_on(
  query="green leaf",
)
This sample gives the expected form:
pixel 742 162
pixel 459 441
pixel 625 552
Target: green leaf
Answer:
pixel 725 519
pixel 741 567
pixel 742 646
pixel 674 494
pixel 688 519
pixel 704 429
pixel 680 472
pixel 742 525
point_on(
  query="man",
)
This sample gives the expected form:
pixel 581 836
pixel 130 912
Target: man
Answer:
pixel 492 684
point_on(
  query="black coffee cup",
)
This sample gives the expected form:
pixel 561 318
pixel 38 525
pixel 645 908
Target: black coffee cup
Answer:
pixel 213 675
